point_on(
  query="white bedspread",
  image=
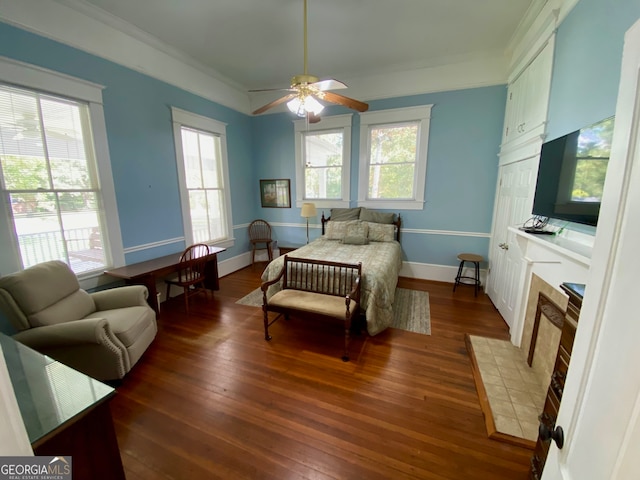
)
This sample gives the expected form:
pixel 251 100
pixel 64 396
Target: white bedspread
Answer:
pixel 381 263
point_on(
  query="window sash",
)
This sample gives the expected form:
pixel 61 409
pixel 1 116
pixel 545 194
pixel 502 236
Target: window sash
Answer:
pixel 383 184
pixel 205 190
pixel 405 168
pixel 203 175
pixel 325 182
pixel 320 174
pixel 48 169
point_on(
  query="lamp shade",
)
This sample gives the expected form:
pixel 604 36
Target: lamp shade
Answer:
pixel 308 210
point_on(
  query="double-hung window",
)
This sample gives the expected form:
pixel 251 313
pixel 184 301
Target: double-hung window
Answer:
pixel 323 153
pixel 393 158
pixel 50 175
pixel 201 150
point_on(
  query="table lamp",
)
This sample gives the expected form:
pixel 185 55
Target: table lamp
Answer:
pixel 308 211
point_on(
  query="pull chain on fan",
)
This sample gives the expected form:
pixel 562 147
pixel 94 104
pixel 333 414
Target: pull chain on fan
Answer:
pixel 306 91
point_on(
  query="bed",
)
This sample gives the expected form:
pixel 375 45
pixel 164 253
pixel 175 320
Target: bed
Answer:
pixel 358 235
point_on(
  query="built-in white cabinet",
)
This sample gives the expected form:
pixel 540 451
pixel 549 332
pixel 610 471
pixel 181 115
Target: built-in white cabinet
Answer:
pixel 523 134
pixel 528 99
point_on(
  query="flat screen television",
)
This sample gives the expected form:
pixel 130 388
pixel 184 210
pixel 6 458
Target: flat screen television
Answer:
pixel 572 172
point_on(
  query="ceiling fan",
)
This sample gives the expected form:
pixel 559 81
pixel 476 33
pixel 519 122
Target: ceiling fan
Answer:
pixel 305 91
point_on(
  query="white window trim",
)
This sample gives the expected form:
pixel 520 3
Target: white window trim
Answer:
pixel 37 78
pixel 395 115
pixel 182 118
pixel 327 123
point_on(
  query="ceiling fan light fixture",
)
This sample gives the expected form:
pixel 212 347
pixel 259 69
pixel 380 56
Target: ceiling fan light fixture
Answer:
pixel 304 105
pixel 305 90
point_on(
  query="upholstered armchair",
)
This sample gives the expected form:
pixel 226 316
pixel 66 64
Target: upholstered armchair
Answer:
pixel 101 334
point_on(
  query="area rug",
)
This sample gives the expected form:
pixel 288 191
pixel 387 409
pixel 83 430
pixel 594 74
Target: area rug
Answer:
pixel 510 394
pixel 410 309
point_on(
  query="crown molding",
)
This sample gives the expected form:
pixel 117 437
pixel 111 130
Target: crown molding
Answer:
pixel 87 28
pixel 479 71
pixel 81 25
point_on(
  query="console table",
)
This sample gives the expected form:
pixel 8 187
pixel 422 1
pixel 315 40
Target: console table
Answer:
pixel 65 412
pixel 147 273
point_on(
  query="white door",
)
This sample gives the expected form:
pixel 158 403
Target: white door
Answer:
pixel 513 207
pixel 497 253
pixel 600 410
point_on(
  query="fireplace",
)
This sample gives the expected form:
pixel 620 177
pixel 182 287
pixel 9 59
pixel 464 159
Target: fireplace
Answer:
pixel 512 381
pixel 542 357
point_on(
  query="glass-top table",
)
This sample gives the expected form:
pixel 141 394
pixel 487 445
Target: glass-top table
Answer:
pixel 49 393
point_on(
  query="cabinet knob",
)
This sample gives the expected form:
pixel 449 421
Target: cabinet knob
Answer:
pixel 503 246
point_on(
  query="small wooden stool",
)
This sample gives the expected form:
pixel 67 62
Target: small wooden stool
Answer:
pixel 465 280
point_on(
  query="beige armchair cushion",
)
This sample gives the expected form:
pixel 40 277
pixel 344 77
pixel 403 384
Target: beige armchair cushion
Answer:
pixel 48 294
pixel 126 323
pixel 102 334
pixel 73 307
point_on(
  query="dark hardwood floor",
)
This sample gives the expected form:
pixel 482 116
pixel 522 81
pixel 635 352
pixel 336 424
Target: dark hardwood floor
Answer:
pixel 211 399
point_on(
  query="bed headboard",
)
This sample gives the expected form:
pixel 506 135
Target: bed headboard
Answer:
pixel 397 224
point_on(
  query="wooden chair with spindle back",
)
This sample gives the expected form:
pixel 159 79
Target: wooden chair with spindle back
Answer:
pixel 260 233
pixel 191 272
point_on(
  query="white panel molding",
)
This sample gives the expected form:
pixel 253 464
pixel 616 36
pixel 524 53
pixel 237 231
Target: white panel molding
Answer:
pixel 540 22
pixel 92 30
pixel 419 231
pixel 444 232
pixel 146 246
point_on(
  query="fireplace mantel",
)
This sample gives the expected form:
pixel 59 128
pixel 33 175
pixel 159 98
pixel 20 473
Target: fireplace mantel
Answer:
pixel 555 259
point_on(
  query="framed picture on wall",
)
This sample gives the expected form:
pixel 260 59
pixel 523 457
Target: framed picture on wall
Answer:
pixel 275 193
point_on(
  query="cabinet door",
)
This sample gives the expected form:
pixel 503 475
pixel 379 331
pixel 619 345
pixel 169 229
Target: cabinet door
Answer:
pixel 513 208
pixel 514 114
pixel 536 99
pixel 510 114
pixel 528 98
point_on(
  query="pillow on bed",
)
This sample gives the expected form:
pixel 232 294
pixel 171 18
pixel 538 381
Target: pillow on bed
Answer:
pixel 344 214
pixel 337 230
pixel 356 233
pixel 367 215
pixel 357 229
pixel 355 240
pixel 380 232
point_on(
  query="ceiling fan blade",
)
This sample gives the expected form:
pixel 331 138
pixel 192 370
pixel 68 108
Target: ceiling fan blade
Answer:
pixel 345 101
pixel 275 103
pixel 272 90
pixel 329 84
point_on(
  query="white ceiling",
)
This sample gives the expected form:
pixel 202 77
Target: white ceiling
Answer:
pixel 253 44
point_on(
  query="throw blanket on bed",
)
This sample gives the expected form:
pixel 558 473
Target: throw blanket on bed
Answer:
pixel 381 263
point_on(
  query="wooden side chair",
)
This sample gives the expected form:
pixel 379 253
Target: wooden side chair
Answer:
pixel 260 233
pixel 191 272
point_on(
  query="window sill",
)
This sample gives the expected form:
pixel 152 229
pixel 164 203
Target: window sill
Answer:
pixel 392 204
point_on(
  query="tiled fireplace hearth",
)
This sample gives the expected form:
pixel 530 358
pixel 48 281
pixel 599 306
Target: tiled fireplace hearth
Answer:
pixel 512 391
pixel 511 378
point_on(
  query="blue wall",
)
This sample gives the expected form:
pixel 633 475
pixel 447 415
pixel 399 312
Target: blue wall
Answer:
pixel 586 69
pixel 139 130
pixel 461 172
pixel 465 134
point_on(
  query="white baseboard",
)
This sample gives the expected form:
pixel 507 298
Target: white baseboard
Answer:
pixel 436 273
pixel 422 271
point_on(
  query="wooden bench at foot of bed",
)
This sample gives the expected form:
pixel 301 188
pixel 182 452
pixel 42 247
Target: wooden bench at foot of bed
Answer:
pixel 328 289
